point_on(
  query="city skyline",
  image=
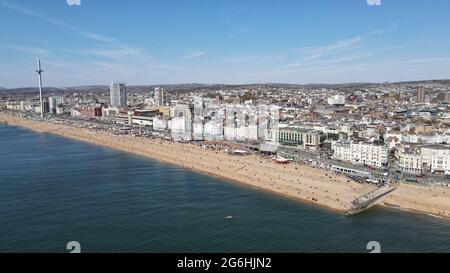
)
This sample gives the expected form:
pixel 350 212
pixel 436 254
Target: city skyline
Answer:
pixel 225 42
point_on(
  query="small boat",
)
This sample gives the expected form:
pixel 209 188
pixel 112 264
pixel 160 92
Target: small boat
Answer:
pixel 281 160
pixel 240 152
pixel 228 217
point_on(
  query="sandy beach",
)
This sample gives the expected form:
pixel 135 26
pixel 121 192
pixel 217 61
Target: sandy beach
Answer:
pixel 296 181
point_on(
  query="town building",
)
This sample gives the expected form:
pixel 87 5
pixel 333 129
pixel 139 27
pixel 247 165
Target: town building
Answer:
pixel 436 158
pixel 421 95
pixel 307 139
pixel 159 96
pixel 52 105
pixel 337 100
pixel 409 160
pixel 118 94
pixel 364 153
pixel 181 123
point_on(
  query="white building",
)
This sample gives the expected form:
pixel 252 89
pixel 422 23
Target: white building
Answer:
pixel 60 109
pixel 181 123
pixel 268 120
pixel 159 123
pixel 142 121
pixel 336 100
pixel 110 111
pixel 14 106
pixel 26 106
pixel 118 93
pixel 241 123
pixel 59 99
pixel 231 113
pixel 52 104
pixel 436 158
pixel 159 96
pixel 361 153
pixel 409 160
pixel 213 128
pixel 342 150
pixel 370 154
pixel 75 112
pixel 198 119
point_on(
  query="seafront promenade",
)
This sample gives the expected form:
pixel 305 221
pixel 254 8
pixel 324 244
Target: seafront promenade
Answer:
pixel 305 183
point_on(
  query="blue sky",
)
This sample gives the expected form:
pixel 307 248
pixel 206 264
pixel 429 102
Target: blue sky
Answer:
pixel 223 41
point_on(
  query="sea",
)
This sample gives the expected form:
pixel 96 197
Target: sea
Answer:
pixel 55 190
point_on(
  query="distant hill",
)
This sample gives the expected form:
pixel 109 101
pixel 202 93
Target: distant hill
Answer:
pixel 337 85
pixel 29 89
pixel 443 81
pixel 197 86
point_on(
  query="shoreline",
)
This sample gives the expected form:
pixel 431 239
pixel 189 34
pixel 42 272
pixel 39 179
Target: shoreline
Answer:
pixel 301 183
pixel 229 180
pixel 411 211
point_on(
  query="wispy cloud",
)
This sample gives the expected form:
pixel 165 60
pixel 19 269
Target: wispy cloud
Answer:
pixel 335 60
pixel 419 61
pixel 331 49
pixel 352 58
pixel 249 59
pixel 117 54
pixel 194 55
pixel 340 51
pixel 38 15
pixel 338 47
pixel 75 29
pixel 35 51
pixel 108 59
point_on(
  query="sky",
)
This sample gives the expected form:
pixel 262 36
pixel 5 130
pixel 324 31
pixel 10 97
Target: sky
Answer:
pixel 141 42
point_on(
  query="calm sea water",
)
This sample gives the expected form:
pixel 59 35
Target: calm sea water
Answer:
pixel 55 190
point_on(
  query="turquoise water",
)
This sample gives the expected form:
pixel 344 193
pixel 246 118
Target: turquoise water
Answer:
pixel 55 190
